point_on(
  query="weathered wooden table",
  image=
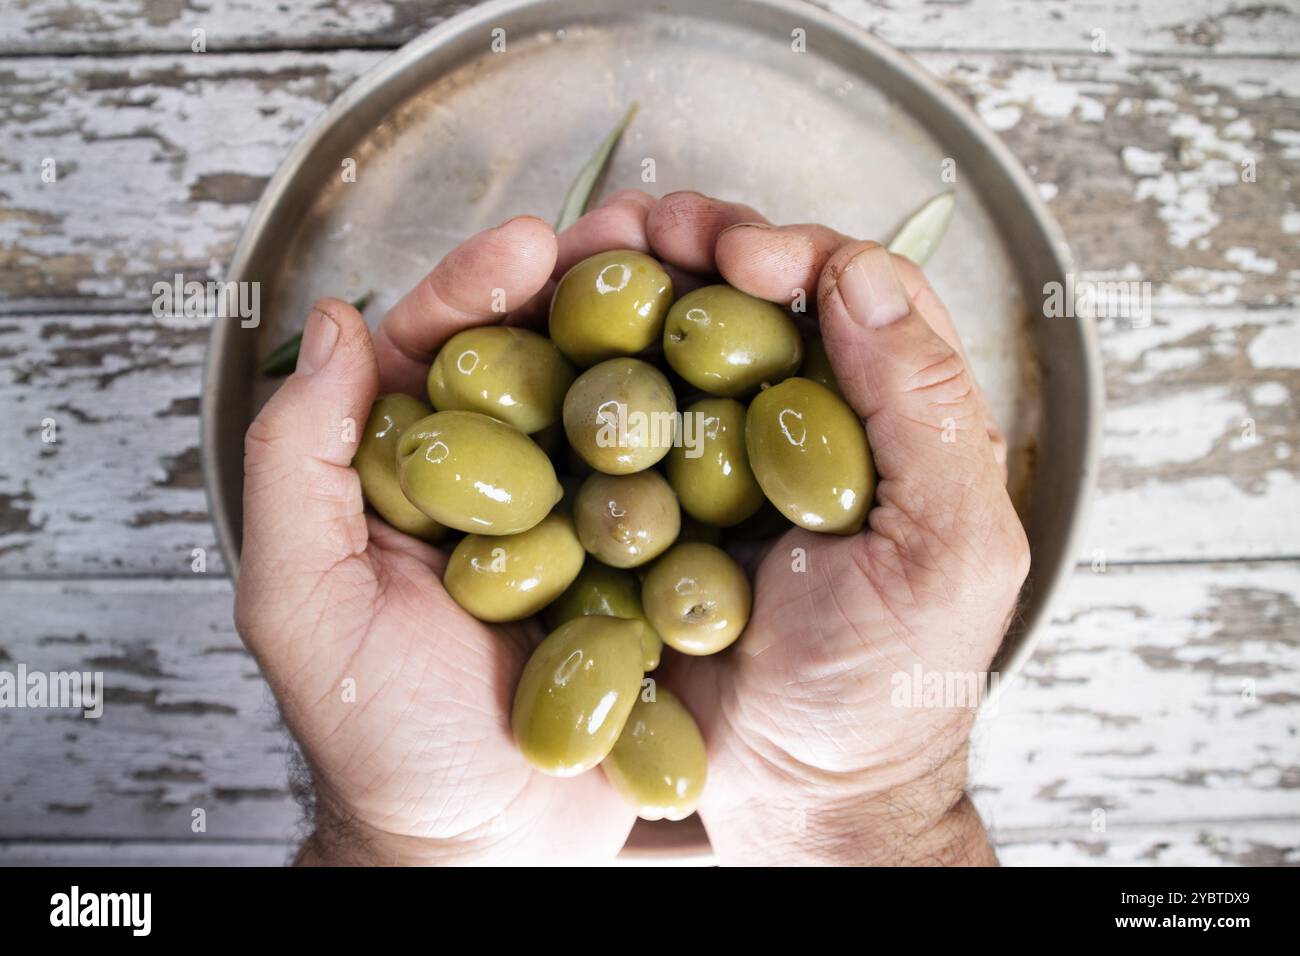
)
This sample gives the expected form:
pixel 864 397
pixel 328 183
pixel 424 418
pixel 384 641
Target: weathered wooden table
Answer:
pixel 1157 722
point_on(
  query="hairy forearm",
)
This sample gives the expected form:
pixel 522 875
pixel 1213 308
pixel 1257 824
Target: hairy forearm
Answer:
pixel 927 820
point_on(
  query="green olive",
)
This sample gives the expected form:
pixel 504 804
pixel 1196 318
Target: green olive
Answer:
pixel 600 589
pixel 476 474
pixel 709 469
pixel 697 597
pixel 509 577
pixel 507 372
pixel 627 520
pixel 612 303
pixel 659 764
pixel 576 692
pixel 809 452
pixel 376 465
pixel 729 343
pixel 817 364
pixel 621 416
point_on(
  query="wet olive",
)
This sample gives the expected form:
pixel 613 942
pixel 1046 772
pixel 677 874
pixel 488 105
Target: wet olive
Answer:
pixel 659 764
pixel 621 416
pixel 697 597
pixel 600 589
pixel 476 474
pixel 507 372
pixel 509 577
pixel 809 452
pixel 376 465
pixel 576 691
pixel 729 343
pixel 709 468
pixel 627 520
pixel 610 304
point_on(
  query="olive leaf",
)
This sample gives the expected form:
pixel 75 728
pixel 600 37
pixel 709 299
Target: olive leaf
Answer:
pixel 284 358
pixel 921 234
pixel 575 201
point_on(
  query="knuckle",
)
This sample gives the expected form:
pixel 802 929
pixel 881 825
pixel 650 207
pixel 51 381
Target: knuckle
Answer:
pixel 942 380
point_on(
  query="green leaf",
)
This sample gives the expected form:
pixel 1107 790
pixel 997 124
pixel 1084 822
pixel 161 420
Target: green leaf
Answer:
pixel 921 234
pixel 284 358
pixel 575 201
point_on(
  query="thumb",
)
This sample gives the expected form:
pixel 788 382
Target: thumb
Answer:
pixel 941 503
pixel 303 509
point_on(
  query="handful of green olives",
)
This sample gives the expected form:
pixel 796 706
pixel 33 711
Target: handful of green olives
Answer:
pixel 587 496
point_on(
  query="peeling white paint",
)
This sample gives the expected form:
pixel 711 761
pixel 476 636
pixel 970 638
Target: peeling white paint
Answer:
pixel 1250 260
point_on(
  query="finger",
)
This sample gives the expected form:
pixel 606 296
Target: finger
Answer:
pixel 387 538
pixel 778 263
pixel 683 228
pixel 303 511
pixel 618 223
pixel 783 263
pixel 477 283
pixel 941 502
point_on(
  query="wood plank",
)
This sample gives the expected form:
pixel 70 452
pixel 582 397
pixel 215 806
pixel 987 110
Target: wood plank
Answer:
pixel 1191 27
pixel 194 852
pixel 121 491
pixel 1133 705
pixel 188 723
pixel 1141 158
pixel 1220 843
pixel 1159 693
pixel 1199 456
pixel 1226 843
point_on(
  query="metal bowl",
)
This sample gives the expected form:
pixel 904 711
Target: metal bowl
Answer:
pixel 775 102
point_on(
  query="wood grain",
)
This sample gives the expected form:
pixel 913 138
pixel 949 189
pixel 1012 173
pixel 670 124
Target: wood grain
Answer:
pixel 1134 705
pixel 159 159
pixel 1200 424
pixel 1158 722
pixel 1190 27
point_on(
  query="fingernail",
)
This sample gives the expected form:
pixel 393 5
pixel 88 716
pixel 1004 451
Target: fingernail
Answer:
pixel 517 218
pixel 871 289
pixel 318 341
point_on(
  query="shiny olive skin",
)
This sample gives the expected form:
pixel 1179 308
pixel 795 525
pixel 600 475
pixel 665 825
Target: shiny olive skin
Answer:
pixel 576 692
pixel 817 364
pixel 698 598
pixel 476 474
pixel 510 577
pixel 627 520
pixel 659 764
pixel 610 304
pixel 809 452
pixel 729 343
pixel 716 485
pixel 620 416
pixel 600 589
pixel 376 465
pixel 510 373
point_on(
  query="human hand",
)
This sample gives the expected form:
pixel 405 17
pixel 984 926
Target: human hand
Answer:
pixel 399 699
pixel 809 760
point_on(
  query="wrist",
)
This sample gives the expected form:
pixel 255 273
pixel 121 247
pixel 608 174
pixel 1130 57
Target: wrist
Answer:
pixel 340 841
pixel 927 820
